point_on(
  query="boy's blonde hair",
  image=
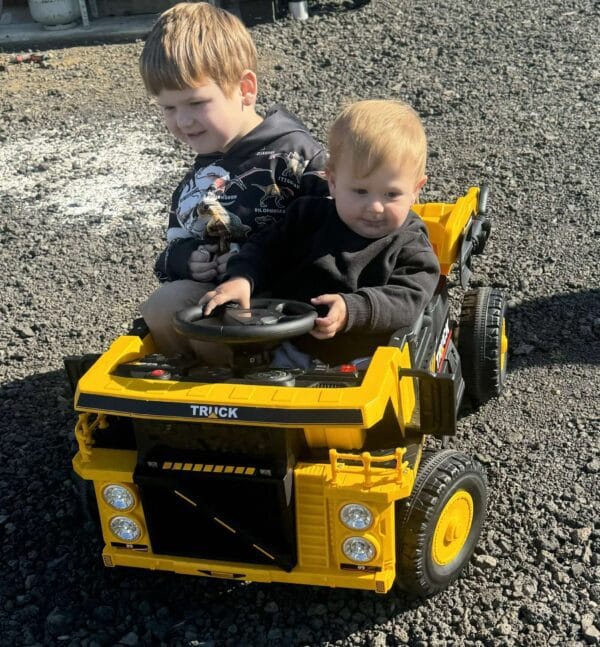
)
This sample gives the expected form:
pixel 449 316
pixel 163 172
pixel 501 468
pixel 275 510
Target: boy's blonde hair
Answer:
pixel 375 132
pixel 192 43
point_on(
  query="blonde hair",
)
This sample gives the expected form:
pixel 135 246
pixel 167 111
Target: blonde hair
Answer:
pixel 375 132
pixel 192 43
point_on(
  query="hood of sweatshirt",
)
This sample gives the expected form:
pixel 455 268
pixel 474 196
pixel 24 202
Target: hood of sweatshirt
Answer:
pixel 278 123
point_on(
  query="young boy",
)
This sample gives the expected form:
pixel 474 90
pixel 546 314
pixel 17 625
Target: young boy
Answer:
pixel 361 253
pixel 199 62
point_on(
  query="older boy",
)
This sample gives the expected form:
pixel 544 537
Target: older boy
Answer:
pixel 361 253
pixel 199 63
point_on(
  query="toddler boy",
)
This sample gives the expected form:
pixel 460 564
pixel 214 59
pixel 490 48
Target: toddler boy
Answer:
pixel 199 62
pixel 362 253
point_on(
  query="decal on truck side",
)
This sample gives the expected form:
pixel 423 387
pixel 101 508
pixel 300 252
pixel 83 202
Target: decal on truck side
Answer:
pixel 204 411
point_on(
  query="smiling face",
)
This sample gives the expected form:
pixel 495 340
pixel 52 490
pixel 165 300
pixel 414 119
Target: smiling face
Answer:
pixel 208 119
pixel 375 205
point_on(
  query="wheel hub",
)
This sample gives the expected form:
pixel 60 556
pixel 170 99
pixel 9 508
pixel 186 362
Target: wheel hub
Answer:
pixel 452 528
pixel 503 346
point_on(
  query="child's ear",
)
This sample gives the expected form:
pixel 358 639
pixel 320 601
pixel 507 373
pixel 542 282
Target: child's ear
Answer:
pixel 419 185
pixel 248 87
pixel 331 182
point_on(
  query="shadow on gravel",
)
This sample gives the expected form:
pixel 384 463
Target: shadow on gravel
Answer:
pixel 559 329
pixel 38 529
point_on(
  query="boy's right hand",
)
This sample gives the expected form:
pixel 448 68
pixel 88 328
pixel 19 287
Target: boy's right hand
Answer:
pixel 202 263
pixel 237 289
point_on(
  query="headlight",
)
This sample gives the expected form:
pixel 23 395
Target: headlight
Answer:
pixel 358 549
pixel 118 497
pixel 125 528
pixel 356 516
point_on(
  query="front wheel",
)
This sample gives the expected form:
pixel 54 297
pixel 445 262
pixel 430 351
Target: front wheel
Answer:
pixel 438 526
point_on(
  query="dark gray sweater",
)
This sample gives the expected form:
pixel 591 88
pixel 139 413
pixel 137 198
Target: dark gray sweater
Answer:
pixel 385 282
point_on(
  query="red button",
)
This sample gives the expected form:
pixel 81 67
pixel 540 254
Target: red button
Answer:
pixel 347 368
pixel 158 372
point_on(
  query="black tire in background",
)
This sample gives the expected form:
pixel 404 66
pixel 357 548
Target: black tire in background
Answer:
pixel 88 506
pixel 482 342
pixel 438 526
pixel 484 192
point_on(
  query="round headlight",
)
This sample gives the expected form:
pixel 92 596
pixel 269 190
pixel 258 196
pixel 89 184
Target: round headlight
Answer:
pixel 358 549
pixel 356 516
pixel 125 528
pixel 118 497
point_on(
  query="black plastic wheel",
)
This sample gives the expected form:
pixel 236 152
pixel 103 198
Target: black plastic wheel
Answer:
pixel 88 506
pixel 484 192
pixel 438 526
pixel 482 343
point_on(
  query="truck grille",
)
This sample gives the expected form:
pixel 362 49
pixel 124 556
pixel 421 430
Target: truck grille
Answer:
pixel 219 492
pixel 240 515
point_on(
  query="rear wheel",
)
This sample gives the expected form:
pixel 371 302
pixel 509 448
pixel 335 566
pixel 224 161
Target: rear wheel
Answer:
pixel 482 343
pixel 438 526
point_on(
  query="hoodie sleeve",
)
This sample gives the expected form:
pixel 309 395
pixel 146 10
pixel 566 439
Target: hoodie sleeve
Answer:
pixel 172 262
pixel 384 309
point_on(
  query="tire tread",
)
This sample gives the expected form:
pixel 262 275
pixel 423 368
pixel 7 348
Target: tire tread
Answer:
pixel 437 472
pixel 480 326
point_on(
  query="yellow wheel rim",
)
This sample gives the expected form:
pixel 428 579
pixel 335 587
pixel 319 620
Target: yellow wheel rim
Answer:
pixel 452 528
pixel 503 345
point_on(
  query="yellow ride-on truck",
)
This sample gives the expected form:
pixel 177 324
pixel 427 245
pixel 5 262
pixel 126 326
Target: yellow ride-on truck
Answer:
pixel 316 476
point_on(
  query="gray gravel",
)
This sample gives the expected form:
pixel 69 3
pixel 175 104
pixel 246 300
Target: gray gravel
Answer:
pixel 508 92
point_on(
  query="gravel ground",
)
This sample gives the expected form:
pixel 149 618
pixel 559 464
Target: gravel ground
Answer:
pixel 508 92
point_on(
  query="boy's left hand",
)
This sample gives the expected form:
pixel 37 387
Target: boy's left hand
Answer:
pixel 222 262
pixel 335 320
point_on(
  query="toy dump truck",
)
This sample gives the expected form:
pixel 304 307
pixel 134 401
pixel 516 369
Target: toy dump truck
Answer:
pixel 318 476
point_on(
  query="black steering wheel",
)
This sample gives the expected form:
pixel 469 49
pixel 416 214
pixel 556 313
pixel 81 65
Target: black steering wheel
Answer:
pixel 267 320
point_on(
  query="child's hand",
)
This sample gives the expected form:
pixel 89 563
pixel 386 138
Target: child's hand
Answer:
pixel 201 267
pixel 238 289
pixel 222 262
pixel 335 320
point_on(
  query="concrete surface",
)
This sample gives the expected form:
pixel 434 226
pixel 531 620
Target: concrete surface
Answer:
pixel 18 30
pixel 32 35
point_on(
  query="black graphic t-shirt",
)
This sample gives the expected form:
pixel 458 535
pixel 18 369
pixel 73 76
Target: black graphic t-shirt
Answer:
pixel 251 184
